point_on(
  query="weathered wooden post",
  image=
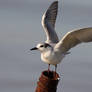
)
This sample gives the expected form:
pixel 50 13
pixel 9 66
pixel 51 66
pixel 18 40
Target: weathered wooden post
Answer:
pixel 48 82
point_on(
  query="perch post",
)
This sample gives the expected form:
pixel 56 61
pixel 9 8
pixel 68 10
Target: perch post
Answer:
pixel 47 82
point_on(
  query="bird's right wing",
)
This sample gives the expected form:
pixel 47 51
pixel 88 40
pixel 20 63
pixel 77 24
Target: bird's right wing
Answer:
pixel 48 22
pixel 73 38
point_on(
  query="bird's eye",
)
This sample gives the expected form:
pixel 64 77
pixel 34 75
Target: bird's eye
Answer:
pixel 47 45
pixel 41 46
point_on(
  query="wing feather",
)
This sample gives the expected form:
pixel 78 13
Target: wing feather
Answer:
pixel 48 22
pixel 74 38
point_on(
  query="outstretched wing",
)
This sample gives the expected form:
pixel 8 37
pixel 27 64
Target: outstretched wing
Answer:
pixel 48 22
pixel 73 38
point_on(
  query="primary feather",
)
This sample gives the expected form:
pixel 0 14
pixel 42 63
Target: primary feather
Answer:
pixel 73 38
pixel 48 22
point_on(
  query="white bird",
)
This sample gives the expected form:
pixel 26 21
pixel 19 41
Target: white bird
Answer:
pixel 53 50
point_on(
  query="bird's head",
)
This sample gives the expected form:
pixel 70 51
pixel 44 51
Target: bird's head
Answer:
pixel 42 47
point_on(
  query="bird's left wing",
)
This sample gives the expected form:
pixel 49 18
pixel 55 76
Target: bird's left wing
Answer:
pixel 73 38
pixel 48 22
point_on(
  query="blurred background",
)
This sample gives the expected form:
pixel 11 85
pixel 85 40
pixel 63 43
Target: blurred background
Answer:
pixel 20 30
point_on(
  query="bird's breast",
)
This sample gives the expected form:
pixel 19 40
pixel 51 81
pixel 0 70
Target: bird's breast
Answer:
pixel 51 58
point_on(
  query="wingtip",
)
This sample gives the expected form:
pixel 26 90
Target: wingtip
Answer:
pixel 56 1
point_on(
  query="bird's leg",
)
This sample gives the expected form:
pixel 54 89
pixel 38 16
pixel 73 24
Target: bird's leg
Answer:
pixel 55 68
pixel 48 68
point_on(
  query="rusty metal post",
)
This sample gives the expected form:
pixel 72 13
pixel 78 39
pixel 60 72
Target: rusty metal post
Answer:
pixel 48 82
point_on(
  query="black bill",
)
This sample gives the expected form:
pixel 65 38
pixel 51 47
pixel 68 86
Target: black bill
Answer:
pixel 35 48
